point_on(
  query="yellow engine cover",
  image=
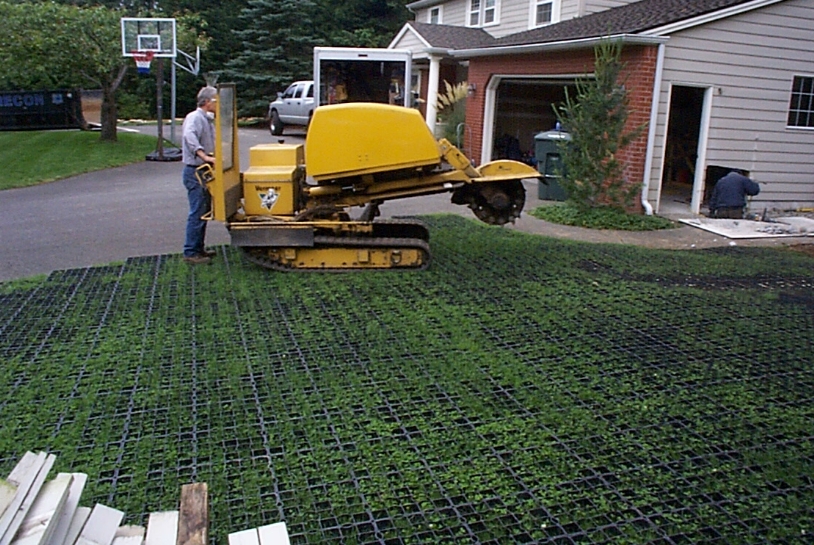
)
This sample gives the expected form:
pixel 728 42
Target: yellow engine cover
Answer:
pixel 271 184
pixel 364 138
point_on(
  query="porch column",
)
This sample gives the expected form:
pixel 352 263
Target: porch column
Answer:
pixel 432 91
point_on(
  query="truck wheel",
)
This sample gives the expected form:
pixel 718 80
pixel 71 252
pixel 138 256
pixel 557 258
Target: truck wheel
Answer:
pixel 276 126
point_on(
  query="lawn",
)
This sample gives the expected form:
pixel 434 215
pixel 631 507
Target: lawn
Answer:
pixel 522 389
pixel 32 157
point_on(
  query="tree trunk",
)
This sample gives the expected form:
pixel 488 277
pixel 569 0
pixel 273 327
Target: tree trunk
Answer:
pixel 109 109
pixel 109 115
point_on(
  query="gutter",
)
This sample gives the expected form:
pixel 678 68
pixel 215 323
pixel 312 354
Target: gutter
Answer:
pixel 423 4
pixel 651 134
pixel 583 43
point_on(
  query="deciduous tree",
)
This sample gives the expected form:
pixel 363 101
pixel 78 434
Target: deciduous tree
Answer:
pixel 51 45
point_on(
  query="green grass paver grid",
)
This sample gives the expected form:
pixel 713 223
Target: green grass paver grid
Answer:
pixel 521 389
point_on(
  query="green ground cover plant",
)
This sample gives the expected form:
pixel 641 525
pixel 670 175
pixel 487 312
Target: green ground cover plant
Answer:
pixel 33 157
pixel 522 389
pixel 604 217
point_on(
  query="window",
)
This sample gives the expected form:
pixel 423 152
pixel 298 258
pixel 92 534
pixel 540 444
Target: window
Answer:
pixel 289 93
pixel 801 107
pixel 544 12
pixel 435 15
pixel 482 12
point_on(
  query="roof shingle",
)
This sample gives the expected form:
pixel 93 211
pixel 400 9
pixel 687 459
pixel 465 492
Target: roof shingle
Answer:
pixel 631 18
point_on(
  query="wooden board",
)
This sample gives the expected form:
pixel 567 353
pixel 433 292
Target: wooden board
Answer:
pixel 45 512
pixel 193 519
pixel 77 524
pixel 20 479
pixel 274 534
pixel 7 492
pixel 39 473
pixel 162 528
pixel 100 529
pixel 244 537
pixel 129 535
pixel 60 533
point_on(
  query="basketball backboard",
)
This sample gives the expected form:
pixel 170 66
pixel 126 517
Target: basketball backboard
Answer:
pixel 140 35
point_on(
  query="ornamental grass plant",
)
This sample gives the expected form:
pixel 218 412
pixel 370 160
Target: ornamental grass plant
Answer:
pixel 520 390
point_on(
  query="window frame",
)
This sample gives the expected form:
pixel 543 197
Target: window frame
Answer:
pixel 808 112
pixel 480 13
pixel 556 6
pixel 440 10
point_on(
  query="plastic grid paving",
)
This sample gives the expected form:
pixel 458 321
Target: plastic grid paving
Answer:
pixel 522 390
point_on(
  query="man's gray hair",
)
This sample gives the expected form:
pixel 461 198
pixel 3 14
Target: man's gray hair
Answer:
pixel 206 94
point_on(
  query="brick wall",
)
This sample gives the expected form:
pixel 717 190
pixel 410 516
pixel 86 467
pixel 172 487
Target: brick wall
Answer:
pixel 638 76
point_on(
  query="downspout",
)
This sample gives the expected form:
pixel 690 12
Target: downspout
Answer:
pixel 432 91
pixel 651 135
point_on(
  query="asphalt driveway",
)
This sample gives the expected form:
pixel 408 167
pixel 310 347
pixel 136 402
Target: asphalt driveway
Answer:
pixel 114 214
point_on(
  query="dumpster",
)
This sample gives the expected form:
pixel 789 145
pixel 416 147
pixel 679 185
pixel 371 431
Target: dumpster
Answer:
pixel 549 164
pixel 40 110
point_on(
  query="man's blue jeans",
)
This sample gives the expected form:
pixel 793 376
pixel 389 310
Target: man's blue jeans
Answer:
pixel 198 206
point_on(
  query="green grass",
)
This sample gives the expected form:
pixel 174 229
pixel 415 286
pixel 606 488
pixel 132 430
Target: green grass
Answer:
pixel 600 218
pixel 520 390
pixel 33 157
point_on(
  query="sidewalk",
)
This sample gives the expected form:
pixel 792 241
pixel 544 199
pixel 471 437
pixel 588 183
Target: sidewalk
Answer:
pixel 683 237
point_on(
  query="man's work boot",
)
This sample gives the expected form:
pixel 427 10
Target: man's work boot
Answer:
pixel 198 259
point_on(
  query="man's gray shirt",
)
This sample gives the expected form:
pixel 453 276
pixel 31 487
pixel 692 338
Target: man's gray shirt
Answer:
pixel 198 133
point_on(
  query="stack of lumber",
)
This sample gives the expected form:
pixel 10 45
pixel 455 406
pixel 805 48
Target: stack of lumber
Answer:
pixel 36 511
pixel 272 534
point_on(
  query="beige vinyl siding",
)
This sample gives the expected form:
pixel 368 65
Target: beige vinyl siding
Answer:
pixel 411 42
pixel 514 17
pixel 453 13
pixel 593 6
pixel 750 61
pixel 512 14
pixel 456 13
pixel 571 8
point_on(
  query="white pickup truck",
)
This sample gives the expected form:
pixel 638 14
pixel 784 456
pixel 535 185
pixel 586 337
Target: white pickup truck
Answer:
pixel 292 107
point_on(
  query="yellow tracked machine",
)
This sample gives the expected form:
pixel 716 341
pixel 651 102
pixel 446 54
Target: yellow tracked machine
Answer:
pixel 290 210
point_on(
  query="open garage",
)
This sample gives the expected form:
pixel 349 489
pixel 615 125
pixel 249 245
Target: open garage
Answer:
pixel 523 109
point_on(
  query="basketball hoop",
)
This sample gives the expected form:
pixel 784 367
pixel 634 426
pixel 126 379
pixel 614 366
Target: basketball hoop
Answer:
pixel 143 60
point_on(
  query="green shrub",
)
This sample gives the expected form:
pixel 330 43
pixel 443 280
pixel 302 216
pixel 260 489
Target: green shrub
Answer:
pixel 601 217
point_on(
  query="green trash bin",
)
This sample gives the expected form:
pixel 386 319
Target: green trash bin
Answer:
pixel 549 164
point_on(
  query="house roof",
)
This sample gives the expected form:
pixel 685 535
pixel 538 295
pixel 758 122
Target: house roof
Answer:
pixel 628 19
pixel 635 18
pixel 452 37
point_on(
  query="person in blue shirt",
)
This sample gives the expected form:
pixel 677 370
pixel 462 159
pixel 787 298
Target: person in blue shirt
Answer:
pixel 729 195
pixel 198 146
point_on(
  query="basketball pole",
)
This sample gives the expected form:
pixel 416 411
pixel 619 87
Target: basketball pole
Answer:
pixel 159 93
pixel 172 102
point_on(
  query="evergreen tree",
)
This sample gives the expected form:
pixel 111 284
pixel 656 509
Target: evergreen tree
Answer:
pixel 361 23
pixel 277 47
pixel 595 119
